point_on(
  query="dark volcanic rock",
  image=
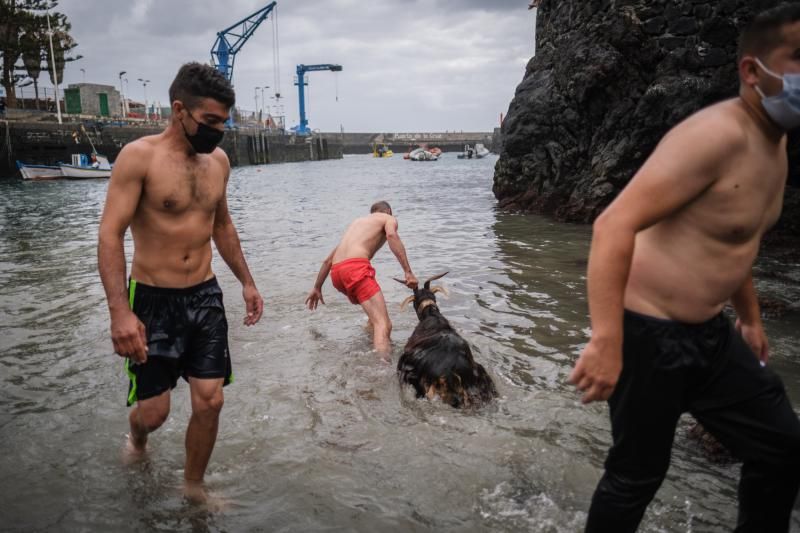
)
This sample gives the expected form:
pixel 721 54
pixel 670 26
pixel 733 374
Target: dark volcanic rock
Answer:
pixel 608 81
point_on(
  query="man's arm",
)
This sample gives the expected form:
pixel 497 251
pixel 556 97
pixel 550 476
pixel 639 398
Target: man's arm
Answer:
pixel 122 200
pixel 399 251
pixel 686 162
pixel 227 241
pixel 315 295
pixel 745 302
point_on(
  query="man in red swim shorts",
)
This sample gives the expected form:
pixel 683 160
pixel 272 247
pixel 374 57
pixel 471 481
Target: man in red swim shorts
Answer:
pixel 353 275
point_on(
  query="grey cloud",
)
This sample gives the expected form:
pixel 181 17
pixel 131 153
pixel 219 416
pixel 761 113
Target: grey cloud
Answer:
pixel 412 64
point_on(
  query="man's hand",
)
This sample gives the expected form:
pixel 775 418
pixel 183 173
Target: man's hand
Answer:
pixel 253 304
pixel 597 370
pixel 313 299
pixel 411 280
pixel 754 336
pixel 128 336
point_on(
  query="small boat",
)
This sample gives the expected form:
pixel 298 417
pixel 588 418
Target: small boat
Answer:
pixel 481 150
pixel 38 172
pixel 381 150
pixel 83 168
pixel 468 153
pixel 422 154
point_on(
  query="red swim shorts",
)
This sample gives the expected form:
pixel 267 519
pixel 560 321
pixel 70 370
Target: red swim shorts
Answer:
pixel 355 278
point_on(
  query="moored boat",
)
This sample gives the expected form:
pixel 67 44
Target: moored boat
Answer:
pixel 422 154
pixel 38 172
pixel 381 150
pixel 81 168
pixel 468 153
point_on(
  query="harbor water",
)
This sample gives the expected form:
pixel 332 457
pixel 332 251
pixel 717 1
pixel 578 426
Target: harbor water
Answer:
pixel 316 434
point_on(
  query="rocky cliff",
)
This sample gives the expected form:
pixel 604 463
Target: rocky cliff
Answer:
pixel 608 80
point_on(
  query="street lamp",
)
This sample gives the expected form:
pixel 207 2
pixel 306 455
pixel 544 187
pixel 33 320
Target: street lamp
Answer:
pixel 83 71
pixel 263 103
pixel 144 84
pixel 55 74
pixel 128 99
pixel 122 94
pixel 255 112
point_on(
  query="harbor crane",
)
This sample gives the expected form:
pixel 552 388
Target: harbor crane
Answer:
pixel 230 40
pixel 303 128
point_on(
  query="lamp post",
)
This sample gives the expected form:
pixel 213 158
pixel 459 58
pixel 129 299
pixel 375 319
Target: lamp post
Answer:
pixel 55 74
pixel 263 103
pixel 144 84
pixel 255 112
pixel 127 100
pixel 122 94
pixel 83 71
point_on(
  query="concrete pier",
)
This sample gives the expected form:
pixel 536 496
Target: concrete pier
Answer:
pixel 45 143
pixel 361 143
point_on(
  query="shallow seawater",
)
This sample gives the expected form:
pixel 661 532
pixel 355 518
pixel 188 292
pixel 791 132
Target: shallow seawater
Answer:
pixel 315 433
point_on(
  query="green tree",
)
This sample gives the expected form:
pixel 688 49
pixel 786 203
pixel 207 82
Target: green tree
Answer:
pixel 23 36
pixel 32 56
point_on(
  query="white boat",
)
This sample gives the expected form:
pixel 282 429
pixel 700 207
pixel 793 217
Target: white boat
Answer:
pixel 481 150
pixel 468 153
pixel 421 154
pixel 38 172
pixel 82 169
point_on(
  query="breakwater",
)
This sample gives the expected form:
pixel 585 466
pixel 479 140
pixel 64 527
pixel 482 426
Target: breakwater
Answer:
pixel 47 144
pixel 361 143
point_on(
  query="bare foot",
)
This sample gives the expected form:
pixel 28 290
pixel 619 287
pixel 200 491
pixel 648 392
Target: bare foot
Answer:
pixel 197 494
pixel 131 453
pixel 385 359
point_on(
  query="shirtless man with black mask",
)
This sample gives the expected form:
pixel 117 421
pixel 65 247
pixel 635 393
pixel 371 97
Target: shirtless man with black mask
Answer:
pixel 167 319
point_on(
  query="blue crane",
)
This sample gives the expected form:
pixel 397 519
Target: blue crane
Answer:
pixel 303 128
pixel 224 51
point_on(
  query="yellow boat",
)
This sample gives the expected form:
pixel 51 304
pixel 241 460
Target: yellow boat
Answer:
pixel 381 150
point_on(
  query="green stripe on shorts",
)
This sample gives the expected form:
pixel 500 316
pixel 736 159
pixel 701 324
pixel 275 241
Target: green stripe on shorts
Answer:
pixel 132 393
pixel 131 292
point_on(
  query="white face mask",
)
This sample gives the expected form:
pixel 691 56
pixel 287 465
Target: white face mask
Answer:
pixel 784 107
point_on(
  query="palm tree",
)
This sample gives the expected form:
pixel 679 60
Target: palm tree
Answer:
pixel 32 57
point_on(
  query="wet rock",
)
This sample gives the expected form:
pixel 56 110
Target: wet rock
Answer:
pixel 608 81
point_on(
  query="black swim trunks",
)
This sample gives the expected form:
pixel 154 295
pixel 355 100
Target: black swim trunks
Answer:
pixel 707 369
pixel 187 335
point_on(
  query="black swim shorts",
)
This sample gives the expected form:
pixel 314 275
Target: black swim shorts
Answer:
pixel 187 335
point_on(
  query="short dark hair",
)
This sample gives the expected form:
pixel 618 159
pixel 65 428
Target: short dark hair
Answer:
pixel 196 80
pixel 763 34
pixel 382 206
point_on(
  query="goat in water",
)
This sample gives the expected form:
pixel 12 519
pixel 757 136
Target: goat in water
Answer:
pixel 437 361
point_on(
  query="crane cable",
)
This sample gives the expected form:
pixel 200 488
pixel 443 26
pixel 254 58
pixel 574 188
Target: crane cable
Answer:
pixel 277 49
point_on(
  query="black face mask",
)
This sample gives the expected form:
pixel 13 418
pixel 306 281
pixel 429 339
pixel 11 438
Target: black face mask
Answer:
pixel 205 139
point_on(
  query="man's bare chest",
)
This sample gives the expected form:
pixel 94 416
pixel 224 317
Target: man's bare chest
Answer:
pixel 176 186
pixel 745 201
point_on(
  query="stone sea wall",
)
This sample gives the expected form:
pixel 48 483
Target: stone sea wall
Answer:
pixel 48 143
pixel 608 80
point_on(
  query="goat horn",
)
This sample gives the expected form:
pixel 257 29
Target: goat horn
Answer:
pixel 427 283
pixel 406 302
pixel 436 289
pixel 398 280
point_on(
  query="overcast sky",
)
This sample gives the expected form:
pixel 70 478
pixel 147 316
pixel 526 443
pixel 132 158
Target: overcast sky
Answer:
pixel 409 65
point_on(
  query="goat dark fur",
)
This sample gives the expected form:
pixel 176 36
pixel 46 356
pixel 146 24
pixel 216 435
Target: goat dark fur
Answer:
pixel 438 361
